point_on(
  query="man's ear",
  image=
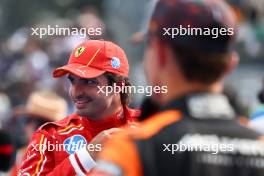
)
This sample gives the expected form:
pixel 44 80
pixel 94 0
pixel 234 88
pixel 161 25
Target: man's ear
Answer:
pixel 233 63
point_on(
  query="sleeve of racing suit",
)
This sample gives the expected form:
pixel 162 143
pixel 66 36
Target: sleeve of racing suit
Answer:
pixel 40 161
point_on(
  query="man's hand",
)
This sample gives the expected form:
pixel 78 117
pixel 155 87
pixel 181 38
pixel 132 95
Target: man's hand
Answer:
pixel 100 138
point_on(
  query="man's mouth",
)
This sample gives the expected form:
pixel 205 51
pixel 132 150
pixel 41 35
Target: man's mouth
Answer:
pixel 81 103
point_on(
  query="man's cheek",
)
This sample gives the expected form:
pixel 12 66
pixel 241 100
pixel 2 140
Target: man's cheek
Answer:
pixel 150 67
pixel 102 102
pixel 150 78
pixel 70 92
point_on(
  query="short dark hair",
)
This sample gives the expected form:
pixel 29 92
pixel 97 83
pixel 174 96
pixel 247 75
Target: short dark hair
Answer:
pixel 201 67
pixel 114 78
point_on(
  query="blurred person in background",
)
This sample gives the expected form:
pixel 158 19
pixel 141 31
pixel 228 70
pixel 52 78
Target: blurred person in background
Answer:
pixel 25 66
pixel 90 20
pixel 7 146
pixel 139 36
pixel 91 64
pixel 257 117
pixel 5 109
pixel 41 107
pixel 195 132
pixel 7 152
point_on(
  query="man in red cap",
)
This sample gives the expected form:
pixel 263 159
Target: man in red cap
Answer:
pixel 67 147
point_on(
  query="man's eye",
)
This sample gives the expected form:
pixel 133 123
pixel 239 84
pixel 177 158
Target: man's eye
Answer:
pixel 90 81
pixel 70 79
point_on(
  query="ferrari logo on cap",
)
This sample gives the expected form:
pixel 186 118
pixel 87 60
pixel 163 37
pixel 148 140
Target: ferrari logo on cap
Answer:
pixel 79 51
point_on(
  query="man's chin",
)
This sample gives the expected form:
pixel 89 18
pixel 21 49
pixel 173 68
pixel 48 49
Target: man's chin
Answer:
pixel 82 112
pixel 87 114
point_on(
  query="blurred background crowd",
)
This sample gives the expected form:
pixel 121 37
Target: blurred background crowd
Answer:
pixel 26 61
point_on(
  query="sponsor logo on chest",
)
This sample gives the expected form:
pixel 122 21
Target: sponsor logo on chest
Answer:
pixel 74 143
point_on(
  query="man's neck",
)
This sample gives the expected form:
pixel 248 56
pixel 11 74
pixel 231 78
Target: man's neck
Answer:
pixel 177 90
pixel 112 110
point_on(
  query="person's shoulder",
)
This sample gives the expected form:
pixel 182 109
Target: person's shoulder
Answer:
pixel 153 124
pixel 50 127
pixel 123 143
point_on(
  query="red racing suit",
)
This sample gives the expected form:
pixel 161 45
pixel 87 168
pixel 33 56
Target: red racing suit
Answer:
pixel 59 148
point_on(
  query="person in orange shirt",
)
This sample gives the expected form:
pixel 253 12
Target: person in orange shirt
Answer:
pixel 194 133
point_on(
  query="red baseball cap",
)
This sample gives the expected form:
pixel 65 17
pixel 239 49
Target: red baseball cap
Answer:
pixel 93 58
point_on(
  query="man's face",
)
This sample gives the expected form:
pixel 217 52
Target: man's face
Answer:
pixel 151 64
pixel 84 93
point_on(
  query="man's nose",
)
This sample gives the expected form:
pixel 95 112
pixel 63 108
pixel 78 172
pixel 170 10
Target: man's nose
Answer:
pixel 77 89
